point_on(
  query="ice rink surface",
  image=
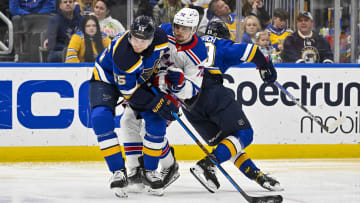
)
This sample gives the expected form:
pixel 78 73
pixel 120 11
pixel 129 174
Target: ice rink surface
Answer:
pixel 308 180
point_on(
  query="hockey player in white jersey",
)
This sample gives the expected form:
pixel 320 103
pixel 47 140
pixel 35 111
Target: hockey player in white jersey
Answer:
pixel 184 60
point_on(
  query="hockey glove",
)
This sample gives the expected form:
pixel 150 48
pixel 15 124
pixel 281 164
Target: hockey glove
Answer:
pixel 175 79
pixel 265 66
pixel 267 72
pixel 164 107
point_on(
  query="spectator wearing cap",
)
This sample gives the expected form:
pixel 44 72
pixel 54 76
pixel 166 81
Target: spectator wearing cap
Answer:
pixel 278 30
pixel 304 45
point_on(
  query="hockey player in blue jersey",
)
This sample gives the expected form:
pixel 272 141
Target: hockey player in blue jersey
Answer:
pixel 224 53
pixel 124 68
pixel 184 59
pixel 218 117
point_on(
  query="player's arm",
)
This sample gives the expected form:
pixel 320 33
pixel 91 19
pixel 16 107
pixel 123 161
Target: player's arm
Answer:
pixel 267 70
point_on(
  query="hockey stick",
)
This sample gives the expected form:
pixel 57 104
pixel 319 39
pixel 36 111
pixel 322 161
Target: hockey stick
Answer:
pixel 250 199
pixel 328 129
pixel 261 199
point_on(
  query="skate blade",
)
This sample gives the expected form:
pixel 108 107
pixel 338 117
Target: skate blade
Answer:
pixel 197 173
pixel 120 192
pixel 136 188
pixel 156 192
pixel 173 179
pixel 276 187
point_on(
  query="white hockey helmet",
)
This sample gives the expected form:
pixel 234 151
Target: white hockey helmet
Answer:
pixel 187 17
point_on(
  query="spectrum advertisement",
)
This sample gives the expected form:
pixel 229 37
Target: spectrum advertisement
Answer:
pixel 47 104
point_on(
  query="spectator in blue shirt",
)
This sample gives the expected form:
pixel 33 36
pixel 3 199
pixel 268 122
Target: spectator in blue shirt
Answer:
pixel 61 27
pixel 22 7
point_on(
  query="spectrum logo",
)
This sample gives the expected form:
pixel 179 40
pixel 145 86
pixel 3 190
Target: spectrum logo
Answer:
pixel 317 94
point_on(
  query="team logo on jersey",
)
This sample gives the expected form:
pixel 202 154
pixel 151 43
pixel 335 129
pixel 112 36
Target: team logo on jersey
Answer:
pixel 310 54
pixel 241 122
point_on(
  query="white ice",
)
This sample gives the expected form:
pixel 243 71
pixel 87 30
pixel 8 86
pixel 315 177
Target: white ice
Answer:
pixel 315 181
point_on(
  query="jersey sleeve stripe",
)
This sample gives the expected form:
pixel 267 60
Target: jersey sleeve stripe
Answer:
pixel 137 65
pixel 247 52
pixel 96 74
pixel 214 71
pixel 161 46
pixel 252 53
pixel 71 49
pixel 101 73
pixel 128 93
pixel 70 57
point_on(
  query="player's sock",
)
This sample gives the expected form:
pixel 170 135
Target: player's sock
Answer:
pixel 249 169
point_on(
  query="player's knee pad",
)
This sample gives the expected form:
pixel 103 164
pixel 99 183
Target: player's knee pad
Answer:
pixel 102 120
pixel 245 137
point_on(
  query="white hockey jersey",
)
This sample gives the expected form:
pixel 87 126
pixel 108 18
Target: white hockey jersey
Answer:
pixel 190 58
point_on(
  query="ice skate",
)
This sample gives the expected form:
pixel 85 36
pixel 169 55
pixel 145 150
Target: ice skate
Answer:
pixel 169 175
pixel 119 183
pixel 153 182
pixel 267 182
pixel 205 172
pixel 135 181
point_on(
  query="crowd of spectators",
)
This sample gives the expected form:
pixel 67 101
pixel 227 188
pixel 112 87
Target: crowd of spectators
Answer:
pixel 65 26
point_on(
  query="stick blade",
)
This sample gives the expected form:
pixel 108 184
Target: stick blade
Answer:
pixel 268 199
pixel 337 123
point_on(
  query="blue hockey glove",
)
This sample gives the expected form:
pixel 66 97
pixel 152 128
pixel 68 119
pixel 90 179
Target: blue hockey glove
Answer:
pixel 267 72
pixel 175 79
pixel 164 107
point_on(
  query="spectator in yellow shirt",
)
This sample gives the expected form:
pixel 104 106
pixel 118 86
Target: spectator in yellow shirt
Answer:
pixel 278 30
pixel 85 45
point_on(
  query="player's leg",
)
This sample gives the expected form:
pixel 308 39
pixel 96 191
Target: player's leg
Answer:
pixel 102 117
pixel 250 170
pixel 204 170
pixel 169 166
pixel 238 134
pixel 154 143
pixel 131 137
pixel 215 120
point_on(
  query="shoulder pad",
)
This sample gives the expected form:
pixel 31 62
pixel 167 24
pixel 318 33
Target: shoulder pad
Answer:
pixel 167 27
pixel 123 55
pixel 160 39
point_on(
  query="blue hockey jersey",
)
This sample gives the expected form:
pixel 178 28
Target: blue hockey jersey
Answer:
pixel 120 65
pixel 224 53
